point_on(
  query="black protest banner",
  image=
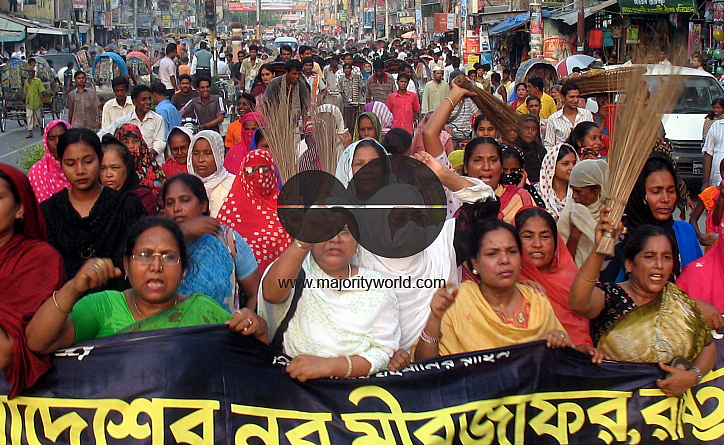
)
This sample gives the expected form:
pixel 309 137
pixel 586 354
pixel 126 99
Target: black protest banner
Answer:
pixel 207 385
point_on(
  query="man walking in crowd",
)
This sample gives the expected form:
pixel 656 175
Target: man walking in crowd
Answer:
pixel 561 123
pixel 380 85
pixel 168 112
pixel 186 94
pixel 435 90
pixel 201 65
pixel 82 105
pixel 222 68
pixel 33 88
pixel 208 108
pixel 249 68
pixel 547 103
pixel 285 54
pixel 306 51
pixel 332 75
pixel 292 88
pixel 167 70
pixel 351 95
pixel 404 105
pixel 151 124
pixel 120 105
pixel 315 83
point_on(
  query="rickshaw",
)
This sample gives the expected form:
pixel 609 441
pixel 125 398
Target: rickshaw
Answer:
pixel 537 68
pixel 12 101
pixel 106 67
pixel 140 66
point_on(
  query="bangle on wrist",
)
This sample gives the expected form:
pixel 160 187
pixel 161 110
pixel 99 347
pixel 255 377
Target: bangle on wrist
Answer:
pixel 587 279
pixel 430 340
pixel 349 367
pixel 67 314
pixel 451 101
pixel 302 246
pixel 698 374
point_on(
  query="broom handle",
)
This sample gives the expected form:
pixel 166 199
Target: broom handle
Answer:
pixel 463 82
pixel 607 246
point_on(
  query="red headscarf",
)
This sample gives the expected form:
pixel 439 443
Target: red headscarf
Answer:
pixel 251 209
pixel 149 172
pixel 557 283
pixel 31 271
pixel 238 152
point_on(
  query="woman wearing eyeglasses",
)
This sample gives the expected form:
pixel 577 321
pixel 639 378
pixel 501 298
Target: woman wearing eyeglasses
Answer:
pixel 222 265
pixel 251 208
pixel 155 260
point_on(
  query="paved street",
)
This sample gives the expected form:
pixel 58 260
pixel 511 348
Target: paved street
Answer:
pixel 14 139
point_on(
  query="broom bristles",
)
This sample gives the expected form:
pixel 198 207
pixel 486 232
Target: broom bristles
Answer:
pixel 281 137
pixel 494 110
pixel 325 129
pixel 637 125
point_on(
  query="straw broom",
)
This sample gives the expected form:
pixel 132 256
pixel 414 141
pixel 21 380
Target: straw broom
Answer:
pixel 637 126
pixel 281 136
pixel 325 134
pixel 497 112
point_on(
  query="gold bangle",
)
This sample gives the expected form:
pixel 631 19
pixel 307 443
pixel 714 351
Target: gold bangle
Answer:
pixel 349 367
pixel 587 279
pixel 451 102
pixel 301 246
pixel 66 315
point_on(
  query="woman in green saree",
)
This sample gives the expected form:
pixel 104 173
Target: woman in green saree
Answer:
pixel 646 319
pixel 155 261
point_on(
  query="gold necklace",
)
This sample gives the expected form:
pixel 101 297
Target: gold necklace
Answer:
pixel 143 317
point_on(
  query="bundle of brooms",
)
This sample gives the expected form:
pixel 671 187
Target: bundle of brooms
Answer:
pixel 325 129
pixel 637 125
pixel 494 110
pixel 607 81
pixel 281 136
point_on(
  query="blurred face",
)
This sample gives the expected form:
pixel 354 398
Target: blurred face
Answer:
pixel 661 194
pixel 335 253
pixel 251 125
pixel 564 167
pixel 80 81
pixel 121 92
pixel 243 107
pixel 266 76
pixel 534 107
pixel 651 268
pixel 485 129
pixel 181 204
pixel 485 164
pixel 717 109
pixel 571 99
pixel 348 59
pixel 399 217
pixel 262 144
pixel 522 92
pixel 113 170
pixel 53 136
pixel 366 128
pixel 362 156
pixel 133 143
pixel 9 209
pixel 586 195
pixel 204 89
pixel 31 72
pixel 185 86
pixel 285 55
pixel 307 53
pixel 538 242
pixel 555 93
pixel 437 75
pixel 157 282
pixel 603 102
pixel 202 158
pixel 179 146
pixel 307 68
pixel 293 76
pixel 402 84
pixel 142 102
pixel 593 139
pixel 529 131
pixel 498 261
pixel 347 70
pixel 368 68
pixel 252 54
pixel 81 165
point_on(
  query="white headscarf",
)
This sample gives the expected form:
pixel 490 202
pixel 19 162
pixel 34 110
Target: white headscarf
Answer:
pixel 344 165
pixel 217 147
pixel 585 174
pixel 554 206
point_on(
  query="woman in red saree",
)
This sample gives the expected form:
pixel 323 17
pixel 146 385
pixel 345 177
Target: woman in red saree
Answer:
pixel 31 269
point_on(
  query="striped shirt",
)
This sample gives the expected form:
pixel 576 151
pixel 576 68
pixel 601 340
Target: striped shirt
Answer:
pixel 559 127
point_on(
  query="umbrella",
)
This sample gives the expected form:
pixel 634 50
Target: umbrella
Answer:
pixel 409 35
pixel 565 66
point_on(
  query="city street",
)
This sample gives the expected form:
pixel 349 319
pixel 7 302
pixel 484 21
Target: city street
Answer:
pixel 14 139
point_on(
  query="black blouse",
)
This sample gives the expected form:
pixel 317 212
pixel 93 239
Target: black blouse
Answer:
pixel 101 234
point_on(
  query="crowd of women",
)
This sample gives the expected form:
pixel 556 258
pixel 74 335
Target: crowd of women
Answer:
pixel 98 239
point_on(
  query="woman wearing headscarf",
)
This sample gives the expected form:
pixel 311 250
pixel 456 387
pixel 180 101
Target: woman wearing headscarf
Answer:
pixel 367 126
pixel 31 271
pixel 149 172
pixel 555 175
pixel 530 143
pixel 206 160
pixel 249 124
pixel 577 224
pixel 177 142
pixel 46 176
pixel 251 208
pixel 117 172
pixel 383 113
pixel 652 202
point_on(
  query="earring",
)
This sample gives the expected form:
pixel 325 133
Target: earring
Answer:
pixel 646 200
pixel 22 218
pixel 475 272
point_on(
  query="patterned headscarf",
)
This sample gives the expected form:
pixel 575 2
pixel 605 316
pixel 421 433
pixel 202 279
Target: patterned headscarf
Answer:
pixel 554 206
pixel 149 172
pixel 46 176
pixel 383 113
pixel 251 209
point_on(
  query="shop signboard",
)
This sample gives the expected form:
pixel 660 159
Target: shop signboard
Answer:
pixel 166 20
pixel 368 19
pixel 556 48
pixel 109 20
pixel 235 6
pixel 657 6
pixel 451 21
pixel 79 4
pixel 440 22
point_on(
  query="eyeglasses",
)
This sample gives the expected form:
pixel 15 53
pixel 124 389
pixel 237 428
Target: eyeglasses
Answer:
pixel 261 169
pixel 146 258
pixel 401 221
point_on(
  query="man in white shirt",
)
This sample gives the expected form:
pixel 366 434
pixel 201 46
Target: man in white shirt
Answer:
pixel 151 124
pixel 316 83
pixel 561 123
pixel 250 68
pixel 222 68
pixel 167 70
pixel 713 151
pixel 121 105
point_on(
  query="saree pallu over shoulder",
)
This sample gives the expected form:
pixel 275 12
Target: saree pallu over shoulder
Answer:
pixel 670 326
pixel 196 310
